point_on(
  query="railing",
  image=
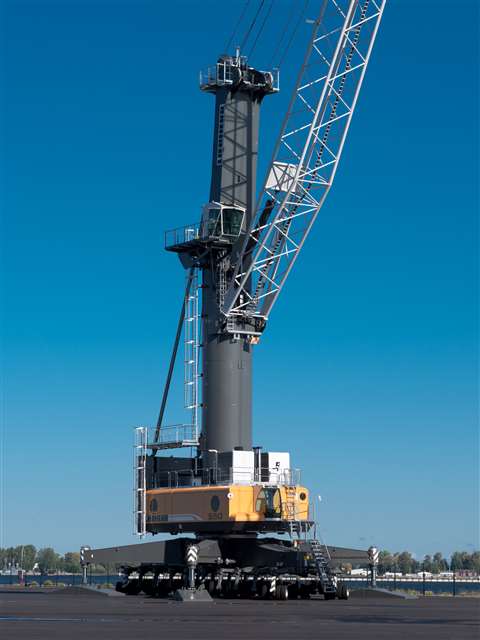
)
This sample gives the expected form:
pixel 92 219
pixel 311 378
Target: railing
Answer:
pixel 225 72
pixel 175 434
pixel 181 235
pixel 221 476
pixel 139 480
pixel 200 231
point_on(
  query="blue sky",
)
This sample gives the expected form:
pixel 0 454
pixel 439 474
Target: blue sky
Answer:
pixel 367 372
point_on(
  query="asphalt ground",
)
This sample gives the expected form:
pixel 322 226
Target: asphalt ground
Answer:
pixel 36 615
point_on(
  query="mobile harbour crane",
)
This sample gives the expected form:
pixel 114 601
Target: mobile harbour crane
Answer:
pixel 228 494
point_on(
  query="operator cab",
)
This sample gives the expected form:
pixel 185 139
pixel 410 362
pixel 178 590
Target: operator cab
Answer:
pixel 221 222
pixel 269 503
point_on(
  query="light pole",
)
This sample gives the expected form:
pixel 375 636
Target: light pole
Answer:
pixel 215 451
pixel 314 518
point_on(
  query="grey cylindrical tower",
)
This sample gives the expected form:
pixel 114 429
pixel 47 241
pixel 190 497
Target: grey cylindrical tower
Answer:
pixel 227 360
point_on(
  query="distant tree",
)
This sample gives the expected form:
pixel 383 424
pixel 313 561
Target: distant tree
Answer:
pixel 427 564
pixel 22 556
pixel 71 562
pixel 29 555
pixel 405 562
pixel 9 556
pixel 98 568
pixel 461 560
pixel 47 560
pixel 467 561
pixel 439 563
pixel 476 561
pixel 385 562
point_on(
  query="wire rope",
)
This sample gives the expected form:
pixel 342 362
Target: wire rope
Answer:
pixel 238 23
pixel 294 33
pixel 252 25
pixel 259 32
pixel 282 35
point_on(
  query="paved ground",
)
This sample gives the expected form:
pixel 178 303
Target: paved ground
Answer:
pixel 35 615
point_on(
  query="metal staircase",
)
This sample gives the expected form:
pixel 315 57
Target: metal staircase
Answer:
pixel 327 579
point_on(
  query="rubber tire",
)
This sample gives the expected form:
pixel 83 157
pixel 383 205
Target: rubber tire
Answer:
pixel 343 592
pixel 133 588
pixel 120 586
pixel 210 585
pixel 304 593
pixel 293 592
pixel 264 591
pixel 282 592
pixel 148 589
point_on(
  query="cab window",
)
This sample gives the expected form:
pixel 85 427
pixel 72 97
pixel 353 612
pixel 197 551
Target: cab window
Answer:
pixel 269 503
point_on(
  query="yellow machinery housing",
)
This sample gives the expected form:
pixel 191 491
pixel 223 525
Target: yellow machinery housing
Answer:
pixel 234 507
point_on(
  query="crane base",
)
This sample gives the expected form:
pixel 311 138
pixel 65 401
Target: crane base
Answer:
pixel 229 566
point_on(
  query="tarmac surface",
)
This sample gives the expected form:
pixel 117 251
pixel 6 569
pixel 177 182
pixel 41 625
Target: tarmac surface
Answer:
pixel 35 614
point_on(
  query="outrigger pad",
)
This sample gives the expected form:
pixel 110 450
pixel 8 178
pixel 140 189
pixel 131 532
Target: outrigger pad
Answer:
pixel 192 595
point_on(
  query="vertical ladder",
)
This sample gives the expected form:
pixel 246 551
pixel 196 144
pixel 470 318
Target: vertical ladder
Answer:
pixel 221 283
pixel 290 507
pixel 140 481
pixel 191 349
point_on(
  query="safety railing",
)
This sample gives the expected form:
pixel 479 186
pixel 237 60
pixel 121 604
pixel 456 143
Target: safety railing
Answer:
pixel 220 476
pixel 203 231
pixel 230 71
pixel 182 235
pixel 171 436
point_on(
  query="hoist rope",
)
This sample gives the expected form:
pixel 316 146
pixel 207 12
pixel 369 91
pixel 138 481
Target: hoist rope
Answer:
pixel 294 33
pixel 238 23
pixel 252 25
pixel 259 32
pixel 282 35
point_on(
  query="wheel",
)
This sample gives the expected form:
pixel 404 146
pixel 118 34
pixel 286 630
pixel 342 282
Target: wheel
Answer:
pixel 329 595
pixel 148 587
pixel 343 592
pixel 132 588
pixel 281 592
pixel 120 586
pixel 293 592
pixel 263 590
pixel 162 588
pixel 210 585
pixel 304 592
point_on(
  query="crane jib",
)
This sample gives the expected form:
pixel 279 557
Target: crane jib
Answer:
pixel 305 159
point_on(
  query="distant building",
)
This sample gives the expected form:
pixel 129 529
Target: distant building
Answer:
pixel 359 572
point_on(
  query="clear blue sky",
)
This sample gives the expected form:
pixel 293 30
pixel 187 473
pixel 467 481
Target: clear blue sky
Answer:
pixel 367 372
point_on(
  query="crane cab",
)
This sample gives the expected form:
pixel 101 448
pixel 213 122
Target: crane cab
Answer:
pixel 220 226
pixel 222 222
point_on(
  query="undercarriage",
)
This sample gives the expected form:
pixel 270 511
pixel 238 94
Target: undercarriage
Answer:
pixel 230 567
